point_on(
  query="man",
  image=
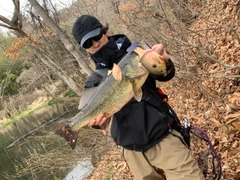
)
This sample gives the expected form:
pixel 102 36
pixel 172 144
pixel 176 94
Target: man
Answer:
pixel 144 129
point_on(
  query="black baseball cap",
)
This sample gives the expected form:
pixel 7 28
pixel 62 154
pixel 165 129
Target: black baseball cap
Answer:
pixel 85 27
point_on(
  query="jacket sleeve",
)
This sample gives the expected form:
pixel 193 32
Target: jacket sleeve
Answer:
pixel 170 72
pixel 95 78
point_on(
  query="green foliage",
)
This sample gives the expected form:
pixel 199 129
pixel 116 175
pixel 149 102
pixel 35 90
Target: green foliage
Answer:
pixel 52 101
pixel 30 111
pixel 56 178
pixel 17 113
pixel 8 122
pixel 6 40
pixel 108 177
pixel 70 93
pixel 9 69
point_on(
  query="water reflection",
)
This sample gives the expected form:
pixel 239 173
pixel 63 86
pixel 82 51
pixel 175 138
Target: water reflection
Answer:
pixel 82 170
pixel 30 153
pixel 45 155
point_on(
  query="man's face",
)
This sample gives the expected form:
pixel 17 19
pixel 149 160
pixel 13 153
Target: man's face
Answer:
pixel 97 45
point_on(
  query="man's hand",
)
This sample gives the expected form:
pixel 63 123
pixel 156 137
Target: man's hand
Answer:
pixel 100 121
pixel 158 48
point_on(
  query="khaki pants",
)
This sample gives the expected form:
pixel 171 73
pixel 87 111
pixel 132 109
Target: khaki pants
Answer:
pixel 169 156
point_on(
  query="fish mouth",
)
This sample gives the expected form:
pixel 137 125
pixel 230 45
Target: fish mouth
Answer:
pixel 67 133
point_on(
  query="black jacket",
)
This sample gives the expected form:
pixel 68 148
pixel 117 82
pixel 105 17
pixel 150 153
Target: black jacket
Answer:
pixel 138 125
pixel 106 56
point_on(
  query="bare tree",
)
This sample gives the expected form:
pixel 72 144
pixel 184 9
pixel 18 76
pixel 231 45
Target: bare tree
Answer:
pixel 62 36
pixel 51 57
pixel 15 23
pixel 203 46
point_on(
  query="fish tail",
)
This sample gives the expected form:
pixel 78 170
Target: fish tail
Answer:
pixel 64 130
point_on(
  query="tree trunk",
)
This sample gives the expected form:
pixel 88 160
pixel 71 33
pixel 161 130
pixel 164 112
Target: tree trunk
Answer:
pixel 62 36
pixel 67 79
pixel 48 59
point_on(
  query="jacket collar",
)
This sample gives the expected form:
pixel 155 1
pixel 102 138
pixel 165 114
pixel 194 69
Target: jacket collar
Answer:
pixel 109 53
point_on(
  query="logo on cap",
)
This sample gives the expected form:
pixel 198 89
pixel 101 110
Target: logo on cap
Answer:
pixel 81 28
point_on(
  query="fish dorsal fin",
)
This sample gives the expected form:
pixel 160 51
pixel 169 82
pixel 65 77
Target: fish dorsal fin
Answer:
pixel 88 92
pixel 85 96
pixel 137 91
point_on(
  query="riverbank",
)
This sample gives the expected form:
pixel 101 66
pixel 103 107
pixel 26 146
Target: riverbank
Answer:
pixel 44 154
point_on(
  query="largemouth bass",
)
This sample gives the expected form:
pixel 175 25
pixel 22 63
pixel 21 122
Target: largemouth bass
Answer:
pixel 112 94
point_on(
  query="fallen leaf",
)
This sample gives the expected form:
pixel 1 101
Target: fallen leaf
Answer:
pixel 234 116
pixel 236 125
pixel 216 122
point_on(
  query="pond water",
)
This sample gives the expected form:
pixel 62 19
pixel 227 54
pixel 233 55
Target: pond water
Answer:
pixel 39 156
pixel 82 170
pixel 12 156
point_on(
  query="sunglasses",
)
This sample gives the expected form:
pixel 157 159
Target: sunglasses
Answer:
pixel 88 43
